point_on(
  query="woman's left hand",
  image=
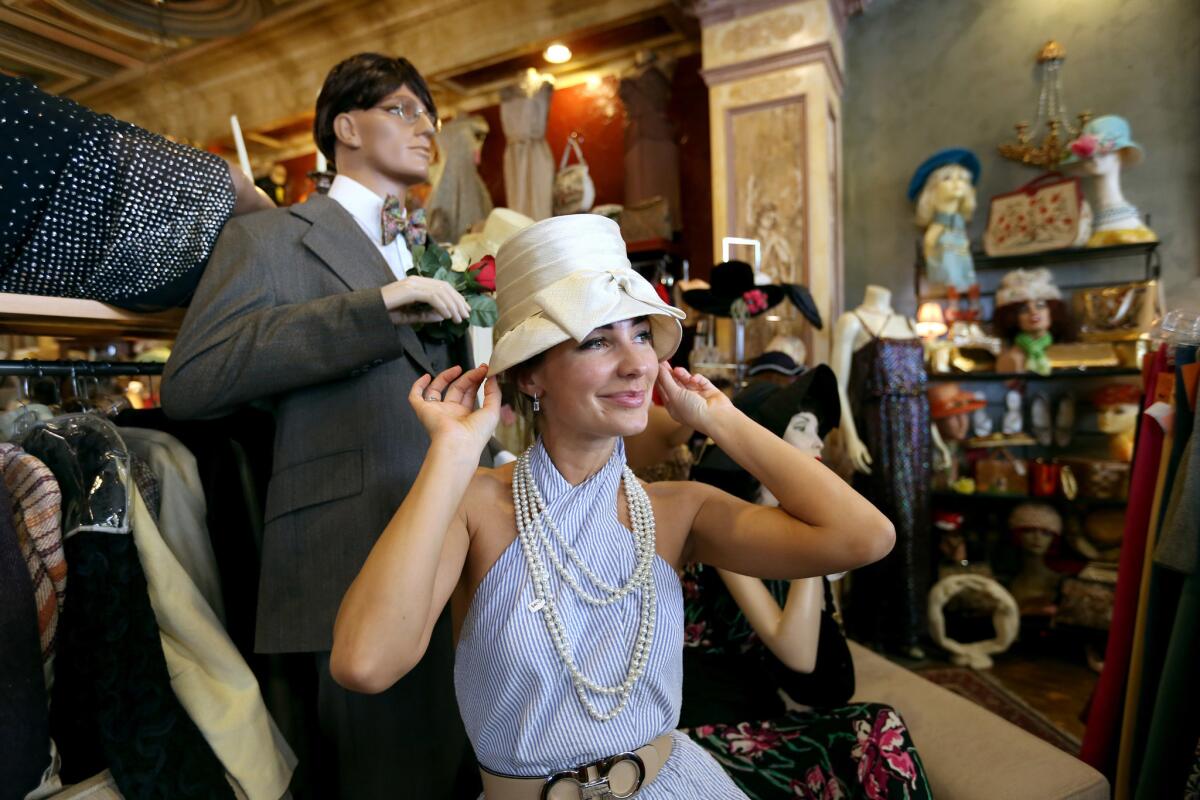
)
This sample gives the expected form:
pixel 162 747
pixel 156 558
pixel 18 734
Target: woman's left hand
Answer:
pixel 691 400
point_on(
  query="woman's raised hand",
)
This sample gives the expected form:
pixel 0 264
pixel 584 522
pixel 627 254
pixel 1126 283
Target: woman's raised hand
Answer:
pixel 445 405
pixel 691 400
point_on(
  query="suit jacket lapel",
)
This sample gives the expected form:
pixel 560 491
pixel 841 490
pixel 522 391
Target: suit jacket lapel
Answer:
pixel 337 240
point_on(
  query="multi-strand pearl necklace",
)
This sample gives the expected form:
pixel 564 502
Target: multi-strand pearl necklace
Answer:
pixel 530 513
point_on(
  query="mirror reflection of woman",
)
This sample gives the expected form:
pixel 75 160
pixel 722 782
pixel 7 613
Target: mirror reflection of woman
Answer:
pixel 560 569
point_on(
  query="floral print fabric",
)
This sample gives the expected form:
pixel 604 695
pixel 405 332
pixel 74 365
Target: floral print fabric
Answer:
pixel 856 751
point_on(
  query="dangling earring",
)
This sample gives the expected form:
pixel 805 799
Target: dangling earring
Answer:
pixel 537 404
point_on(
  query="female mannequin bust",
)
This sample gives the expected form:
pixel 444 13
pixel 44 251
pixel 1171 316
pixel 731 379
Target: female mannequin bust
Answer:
pixel 1101 151
pixel 850 334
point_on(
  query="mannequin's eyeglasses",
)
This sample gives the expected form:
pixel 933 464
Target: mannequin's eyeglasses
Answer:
pixel 410 111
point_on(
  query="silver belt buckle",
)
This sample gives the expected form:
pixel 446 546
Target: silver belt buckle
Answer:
pixel 599 789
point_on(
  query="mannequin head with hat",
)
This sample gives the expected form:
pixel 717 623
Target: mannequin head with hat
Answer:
pixel 943 187
pixel 1117 407
pixel 375 121
pixel 1105 147
pixel 1030 312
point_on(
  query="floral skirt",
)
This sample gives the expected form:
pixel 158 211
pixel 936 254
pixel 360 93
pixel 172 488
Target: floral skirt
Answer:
pixel 856 751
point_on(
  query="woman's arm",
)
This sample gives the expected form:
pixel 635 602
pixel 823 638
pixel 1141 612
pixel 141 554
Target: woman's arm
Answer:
pixel 791 633
pixel 821 526
pixel 388 614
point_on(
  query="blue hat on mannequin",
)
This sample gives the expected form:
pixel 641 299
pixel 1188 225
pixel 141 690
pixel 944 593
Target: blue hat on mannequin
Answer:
pixel 943 158
pixel 1104 135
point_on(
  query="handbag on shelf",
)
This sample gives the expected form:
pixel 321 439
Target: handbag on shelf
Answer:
pixel 1002 474
pixel 574 190
pixel 649 219
pixel 1119 313
pixel 1100 479
pixel 1048 213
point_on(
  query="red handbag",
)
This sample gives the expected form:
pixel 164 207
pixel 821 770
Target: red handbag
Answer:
pixel 1048 213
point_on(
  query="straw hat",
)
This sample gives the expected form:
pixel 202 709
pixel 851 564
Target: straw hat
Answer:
pixel 561 278
pixel 501 224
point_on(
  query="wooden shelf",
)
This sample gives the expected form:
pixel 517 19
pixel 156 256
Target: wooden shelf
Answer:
pixel 62 316
pixel 1070 256
pixel 1093 372
pixel 950 494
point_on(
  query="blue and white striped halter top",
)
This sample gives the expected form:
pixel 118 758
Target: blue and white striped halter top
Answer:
pixel 515 696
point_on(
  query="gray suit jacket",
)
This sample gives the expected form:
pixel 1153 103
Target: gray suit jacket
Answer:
pixel 289 308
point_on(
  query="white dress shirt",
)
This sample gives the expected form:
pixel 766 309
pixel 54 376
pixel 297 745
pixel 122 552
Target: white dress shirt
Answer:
pixel 367 208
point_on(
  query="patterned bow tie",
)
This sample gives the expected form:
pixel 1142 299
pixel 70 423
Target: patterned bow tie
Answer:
pixel 395 219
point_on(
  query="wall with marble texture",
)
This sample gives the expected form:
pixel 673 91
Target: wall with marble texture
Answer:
pixel 926 74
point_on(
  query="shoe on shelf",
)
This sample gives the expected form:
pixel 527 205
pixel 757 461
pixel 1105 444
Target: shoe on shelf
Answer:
pixel 1039 420
pixel 1064 421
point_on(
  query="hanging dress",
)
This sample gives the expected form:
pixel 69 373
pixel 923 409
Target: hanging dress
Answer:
pixel 460 198
pixel 517 699
pixel 528 164
pixel 651 154
pixel 95 208
pixel 891 412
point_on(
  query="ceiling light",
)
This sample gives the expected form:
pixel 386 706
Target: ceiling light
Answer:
pixel 557 54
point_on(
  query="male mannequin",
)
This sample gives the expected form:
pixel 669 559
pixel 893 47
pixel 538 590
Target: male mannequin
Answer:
pixel 310 307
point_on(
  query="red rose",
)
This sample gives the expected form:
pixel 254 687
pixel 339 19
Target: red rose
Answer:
pixel 484 272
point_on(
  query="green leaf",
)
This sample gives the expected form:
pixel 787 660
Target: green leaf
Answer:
pixel 483 310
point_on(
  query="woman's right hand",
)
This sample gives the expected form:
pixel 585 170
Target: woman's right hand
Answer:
pixel 445 405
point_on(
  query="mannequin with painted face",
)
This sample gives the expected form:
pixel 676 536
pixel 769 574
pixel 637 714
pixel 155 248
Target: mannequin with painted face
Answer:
pixel 1099 154
pixel 1030 313
pixel 943 187
pixel 1036 527
pixel 1118 406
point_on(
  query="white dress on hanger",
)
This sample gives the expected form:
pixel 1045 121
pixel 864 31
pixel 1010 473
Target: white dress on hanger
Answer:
pixel 528 163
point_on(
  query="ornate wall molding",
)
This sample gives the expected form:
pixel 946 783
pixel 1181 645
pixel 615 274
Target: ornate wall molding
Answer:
pixel 821 53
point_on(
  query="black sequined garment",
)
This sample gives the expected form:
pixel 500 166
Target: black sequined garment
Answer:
pixel 95 208
pixel 891 412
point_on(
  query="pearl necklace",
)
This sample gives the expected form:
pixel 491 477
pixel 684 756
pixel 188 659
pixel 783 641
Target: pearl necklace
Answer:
pixel 530 512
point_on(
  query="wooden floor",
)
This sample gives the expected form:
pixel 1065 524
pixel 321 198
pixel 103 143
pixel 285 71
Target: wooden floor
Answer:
pixel 1057 688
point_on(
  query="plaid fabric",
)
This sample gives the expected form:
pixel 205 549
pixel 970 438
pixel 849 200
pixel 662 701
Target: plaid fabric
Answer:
pixel 36 509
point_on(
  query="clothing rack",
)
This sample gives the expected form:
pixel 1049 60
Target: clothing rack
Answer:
pixel 97 369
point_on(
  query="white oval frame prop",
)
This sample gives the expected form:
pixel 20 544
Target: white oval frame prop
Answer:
pixel 1006 618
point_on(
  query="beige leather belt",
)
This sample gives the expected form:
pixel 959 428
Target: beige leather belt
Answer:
pixel 607 779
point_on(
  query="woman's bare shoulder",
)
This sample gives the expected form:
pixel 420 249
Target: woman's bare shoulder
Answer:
pixel 490 487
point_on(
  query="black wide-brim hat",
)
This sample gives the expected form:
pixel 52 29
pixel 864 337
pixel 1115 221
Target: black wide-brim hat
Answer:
pixel 773 407
pixel 728 282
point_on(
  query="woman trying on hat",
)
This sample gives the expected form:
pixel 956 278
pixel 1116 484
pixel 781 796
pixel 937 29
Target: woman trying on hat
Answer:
pixel 560 569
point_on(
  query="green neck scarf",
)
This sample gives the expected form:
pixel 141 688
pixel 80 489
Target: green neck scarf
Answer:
pixel 1035 348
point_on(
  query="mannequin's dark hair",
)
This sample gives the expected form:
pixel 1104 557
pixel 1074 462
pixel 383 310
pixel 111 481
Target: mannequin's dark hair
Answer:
pixel 1006 320
pixel 361 81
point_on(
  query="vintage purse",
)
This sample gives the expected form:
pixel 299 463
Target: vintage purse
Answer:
pixel 574 190
pixel 649 219
pixel 1002 474
pixel 1048 213
pixel 1075 355
pixel 1100 479
pixel 1087 599
pixel 1118 313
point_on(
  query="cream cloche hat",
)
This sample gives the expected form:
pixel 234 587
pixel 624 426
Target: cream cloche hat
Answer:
pixel 563 277
pixel 1021 286
pixel 500 225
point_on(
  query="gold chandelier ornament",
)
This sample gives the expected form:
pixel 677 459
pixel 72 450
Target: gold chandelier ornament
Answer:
pixel 1051 116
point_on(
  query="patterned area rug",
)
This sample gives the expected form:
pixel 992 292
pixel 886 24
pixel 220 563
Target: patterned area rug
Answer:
pixel 984 690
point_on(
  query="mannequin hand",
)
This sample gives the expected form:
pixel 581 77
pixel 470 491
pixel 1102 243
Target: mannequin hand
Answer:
pixel 445 405
pixel 859 455
pixel 437 301
pixel 691 400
